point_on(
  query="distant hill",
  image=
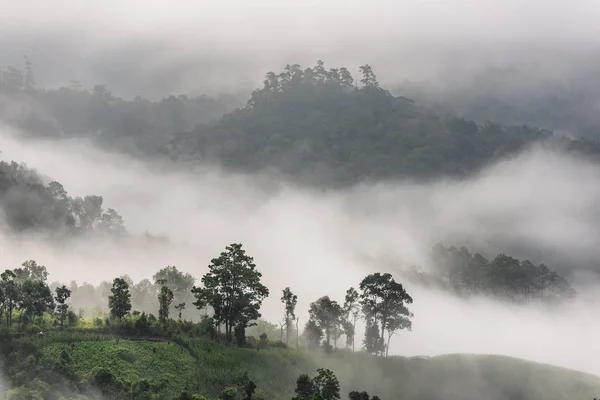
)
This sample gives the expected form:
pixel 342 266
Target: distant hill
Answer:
pixel 313 126
pixel 321 127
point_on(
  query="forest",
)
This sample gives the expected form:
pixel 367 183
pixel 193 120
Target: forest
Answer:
pixel 313 126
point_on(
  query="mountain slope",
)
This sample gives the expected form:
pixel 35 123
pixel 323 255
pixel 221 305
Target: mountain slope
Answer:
pixel 206 367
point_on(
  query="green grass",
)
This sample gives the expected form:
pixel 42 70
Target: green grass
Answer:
pixel 206 367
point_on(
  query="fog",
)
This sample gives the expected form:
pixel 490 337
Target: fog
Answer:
pixel 228 45
pixel 321 243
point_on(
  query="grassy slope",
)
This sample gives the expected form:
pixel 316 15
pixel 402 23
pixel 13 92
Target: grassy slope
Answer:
pixel 206 367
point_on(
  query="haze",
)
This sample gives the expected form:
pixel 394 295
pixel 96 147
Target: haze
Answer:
pixel 323 243
pixel 154 48
pixel 540 205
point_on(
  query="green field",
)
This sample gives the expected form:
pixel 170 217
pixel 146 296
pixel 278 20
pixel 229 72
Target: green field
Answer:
pixel 205 367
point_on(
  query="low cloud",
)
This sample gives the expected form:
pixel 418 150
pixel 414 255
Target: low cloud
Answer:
pixel 538 204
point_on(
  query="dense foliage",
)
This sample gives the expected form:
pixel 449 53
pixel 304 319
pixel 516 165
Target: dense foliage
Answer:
pixel 28 203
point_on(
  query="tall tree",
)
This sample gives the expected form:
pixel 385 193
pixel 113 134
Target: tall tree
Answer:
pixel 10 294
pixel 326 314
pixel 383 298
pixel 394 324
pixel 372 341
pixel 165 298
pixel 36 298
pixel 313 334
pixel 120 300
pixel 289 301
pixel 62 294
pixel 352 311
pixel 233 289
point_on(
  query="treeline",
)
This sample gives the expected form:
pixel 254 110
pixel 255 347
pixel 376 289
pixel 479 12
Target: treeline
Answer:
pixel 503 277
pixel 27 203
pixel 231 290
pixel 139 126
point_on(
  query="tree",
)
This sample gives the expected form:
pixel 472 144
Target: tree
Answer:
pixel 233 289
pixel 31 271
pixel 324 386
pixel 62 294
pixel 327 385
pixel 10 294
pixel 305 388
pixel 313 334
pixel 382 298
pixel 372 341
pixel 120 300
pixel 352 311
pixel 393 325
pixel 178 281
pixel 326 314
pixel 289 300
pixel 36 298
pixel 180 307
pixel 165 298
pixel 369 79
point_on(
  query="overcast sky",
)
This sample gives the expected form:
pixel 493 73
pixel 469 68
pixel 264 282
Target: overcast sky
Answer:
pixel 159 46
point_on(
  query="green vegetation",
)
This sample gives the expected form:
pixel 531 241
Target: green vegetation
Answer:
pixel 207 367
pixel 52 353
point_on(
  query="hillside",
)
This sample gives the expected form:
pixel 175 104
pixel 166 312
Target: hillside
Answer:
pixel 204 366
pixel 312 126
pixel 321 127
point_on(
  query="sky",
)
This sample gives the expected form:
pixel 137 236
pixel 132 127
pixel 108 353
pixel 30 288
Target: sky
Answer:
pixel 227 46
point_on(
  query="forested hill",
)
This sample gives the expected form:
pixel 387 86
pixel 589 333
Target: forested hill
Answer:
pixel 314 125
pixel 321 126
pixel 27 203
